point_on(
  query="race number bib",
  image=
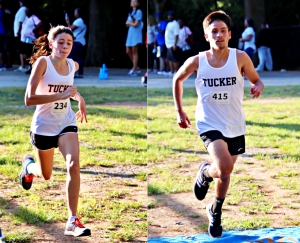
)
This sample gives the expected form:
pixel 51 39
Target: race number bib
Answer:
pixel 220 97
pixel 59 107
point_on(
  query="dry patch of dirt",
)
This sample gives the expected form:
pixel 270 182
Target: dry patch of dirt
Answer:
pixel 182 214
pixel 94 184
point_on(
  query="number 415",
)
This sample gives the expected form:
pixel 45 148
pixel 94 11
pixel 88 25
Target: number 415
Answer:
pixel 223 96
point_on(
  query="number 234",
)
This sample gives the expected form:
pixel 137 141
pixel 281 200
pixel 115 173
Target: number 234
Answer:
pixel 60 106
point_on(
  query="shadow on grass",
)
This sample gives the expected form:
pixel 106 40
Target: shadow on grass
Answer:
pixel 189 214
pixel 83 171
pixel 31 218
pixel 120 112
pixel 190 151
pixel 135 135
pixel 110 149
pixel 292 127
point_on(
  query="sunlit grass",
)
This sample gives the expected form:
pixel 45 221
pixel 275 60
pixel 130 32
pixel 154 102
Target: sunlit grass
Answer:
pixel 115 136
pixel 270 125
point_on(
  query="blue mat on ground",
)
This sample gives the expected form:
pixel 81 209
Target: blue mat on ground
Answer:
pixel 271 235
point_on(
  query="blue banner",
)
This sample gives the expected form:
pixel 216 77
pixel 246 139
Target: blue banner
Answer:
pixel 271 235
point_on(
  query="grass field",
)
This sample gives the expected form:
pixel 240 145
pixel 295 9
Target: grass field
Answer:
pixel 113 199
pixel 265 186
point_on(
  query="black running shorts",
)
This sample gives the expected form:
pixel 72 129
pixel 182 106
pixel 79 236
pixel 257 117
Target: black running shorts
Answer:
pixel 236 145
pixel 42 142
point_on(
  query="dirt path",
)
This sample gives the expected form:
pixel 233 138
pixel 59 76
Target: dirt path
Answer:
pixel 96 184
pixel 182 214
pixel 93 183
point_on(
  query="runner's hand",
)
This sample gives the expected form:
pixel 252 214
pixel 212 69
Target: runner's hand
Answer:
pixel 81 114
pixel 69 92
pixel 183 120
pixel 255 91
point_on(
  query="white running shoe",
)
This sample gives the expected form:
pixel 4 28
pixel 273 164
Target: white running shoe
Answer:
pixel 21 69
pixel 76 229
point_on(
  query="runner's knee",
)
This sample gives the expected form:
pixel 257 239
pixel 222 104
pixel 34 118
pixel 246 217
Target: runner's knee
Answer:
pixel 73 165
pixel 225 168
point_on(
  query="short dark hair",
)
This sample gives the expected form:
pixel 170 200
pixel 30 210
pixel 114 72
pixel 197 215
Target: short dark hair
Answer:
pixel 79 11
pixel 217 15
pixel 250 22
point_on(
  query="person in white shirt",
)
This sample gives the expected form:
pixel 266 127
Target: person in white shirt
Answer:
pixel 30 24
pixel 184 34
pixel 49 88
pixel 220 118
pixel 248 37
pixel 18 22
pixel 172 43
pixel 79 29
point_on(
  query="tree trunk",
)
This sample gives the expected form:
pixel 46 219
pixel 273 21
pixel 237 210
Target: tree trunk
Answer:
pixel 159 6
pixel 99 22
pixel 255 9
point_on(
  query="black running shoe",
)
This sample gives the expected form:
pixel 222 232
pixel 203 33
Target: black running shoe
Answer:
pixel 215 227
pixel 201 184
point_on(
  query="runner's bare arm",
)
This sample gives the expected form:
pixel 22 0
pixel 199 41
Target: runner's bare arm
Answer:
pixel 81 103
pixel 188 68
pixel 31 98
pixel 76 66
pixel 81 113
pixel 246 66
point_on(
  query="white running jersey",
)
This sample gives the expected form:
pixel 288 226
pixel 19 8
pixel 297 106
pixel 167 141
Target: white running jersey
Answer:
pixel 220 94
pixel 51 118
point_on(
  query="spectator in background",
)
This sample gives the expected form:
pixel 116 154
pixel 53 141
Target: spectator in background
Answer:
pixel 160 40
pixel 19 19
pixel 151 41
pixel 264 51
pixel 248 37
pixel 134 23
pixel 172 43
pixel 184 34
pixel 79 29
pixel 29 25
pixel 6 24
pixel 2 36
